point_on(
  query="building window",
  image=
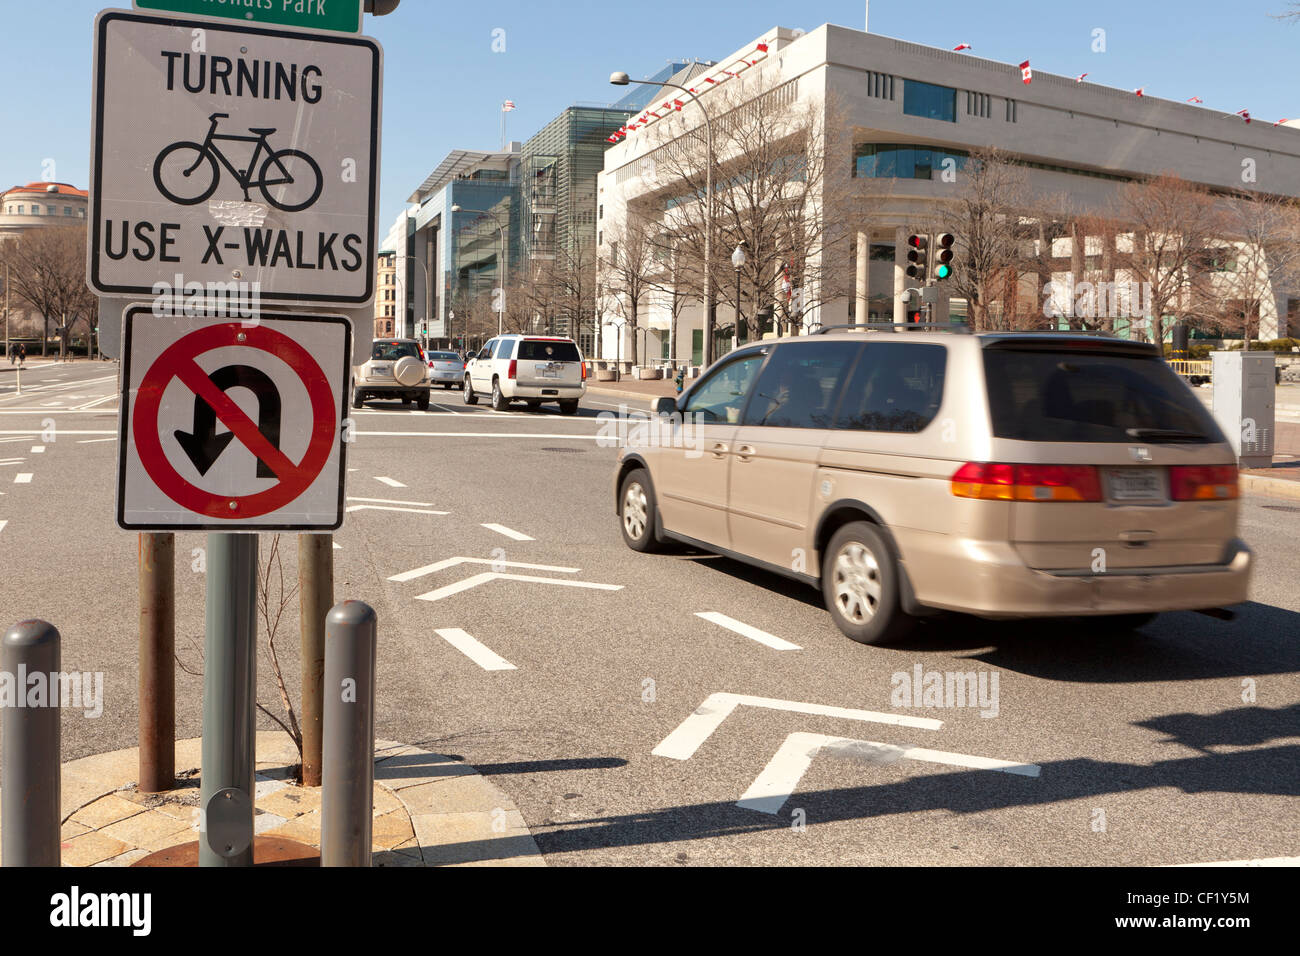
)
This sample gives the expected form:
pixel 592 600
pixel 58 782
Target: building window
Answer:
pixel 896 161
pixel 67 210
pixel 600 213
pixel 979 104
pixel 930 101
pixel 881 252
pixel 1011 111
pixel 81 213
pixel 36 210
pixel 880 85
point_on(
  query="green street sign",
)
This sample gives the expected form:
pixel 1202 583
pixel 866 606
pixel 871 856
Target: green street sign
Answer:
pixel 334 16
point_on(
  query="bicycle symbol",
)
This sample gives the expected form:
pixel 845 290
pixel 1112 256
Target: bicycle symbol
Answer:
pixel 183 164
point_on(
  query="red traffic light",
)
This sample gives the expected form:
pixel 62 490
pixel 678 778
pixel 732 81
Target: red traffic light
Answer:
pixel 918 242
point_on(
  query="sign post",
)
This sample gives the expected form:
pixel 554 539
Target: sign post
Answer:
pixel 234 173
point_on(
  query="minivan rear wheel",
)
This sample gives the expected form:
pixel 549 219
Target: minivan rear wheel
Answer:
pixel 860 586
pixel 636 511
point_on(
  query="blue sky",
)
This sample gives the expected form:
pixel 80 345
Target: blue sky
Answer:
pixel 444 84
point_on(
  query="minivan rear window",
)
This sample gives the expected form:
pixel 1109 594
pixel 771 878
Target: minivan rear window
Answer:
pixel 1066 396
pixel 545 350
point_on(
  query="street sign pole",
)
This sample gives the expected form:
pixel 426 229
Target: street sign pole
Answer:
pixel 229 694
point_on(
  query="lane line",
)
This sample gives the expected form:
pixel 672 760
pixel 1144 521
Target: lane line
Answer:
pixel 486 576
pixel 508 532
pixel 481 655
pixel 393 501
pixel 94 441
pixel 1263 861
pixel 390 482
pixel 749 631
pixel 452 562
pixel 417 511
pixel 574 436
pixel 778 780
pixel 2 524
pixel 38 449
pixel 682 743
pixel 24 478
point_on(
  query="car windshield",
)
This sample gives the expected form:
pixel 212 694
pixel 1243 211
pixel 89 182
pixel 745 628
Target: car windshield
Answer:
pixel 392 351
pixel 548 350
pixel 444 356
pixel 1068 396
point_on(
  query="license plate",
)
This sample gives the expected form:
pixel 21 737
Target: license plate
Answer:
pixel 1135 484
pixel 550 373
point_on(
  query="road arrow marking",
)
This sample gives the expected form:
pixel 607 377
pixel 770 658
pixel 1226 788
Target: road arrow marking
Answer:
pixel 391 483
pixel 682 743
pixel 2 525
pixel 452 562
pixel 482 656
pixel 418 511
pixel 38 450
pixel 25 478
pixel 746 630
pixel 486 576
pixel 508 532
pixel 776 784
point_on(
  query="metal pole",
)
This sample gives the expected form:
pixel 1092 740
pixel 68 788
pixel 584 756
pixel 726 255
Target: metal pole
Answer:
pixel 315 598
pixel 29 780
pixel 229 675
pixel 347 797
pixel 157 680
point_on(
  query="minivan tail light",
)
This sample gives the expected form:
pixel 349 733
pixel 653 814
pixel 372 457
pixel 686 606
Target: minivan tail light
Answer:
pixel 514 363
pixel 1001 482
pixel 1203 483
pixel 584 370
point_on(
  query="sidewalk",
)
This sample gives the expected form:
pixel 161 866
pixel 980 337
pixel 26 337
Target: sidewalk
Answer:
pixel 429 810
pixel 634 390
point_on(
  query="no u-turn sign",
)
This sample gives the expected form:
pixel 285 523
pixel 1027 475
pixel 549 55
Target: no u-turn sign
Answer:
pixel 232 426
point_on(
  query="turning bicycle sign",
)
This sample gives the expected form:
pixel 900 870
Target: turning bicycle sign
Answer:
pixel 233 160
pixel 232 426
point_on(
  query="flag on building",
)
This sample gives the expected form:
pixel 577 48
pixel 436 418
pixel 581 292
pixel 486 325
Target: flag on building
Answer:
pixel 1140 91
pixel 1026 73
pixel 1079 78
pixel 1195 99
pixel 962 46
pixel 507 106
pixel 1244 114
pixel 1281 121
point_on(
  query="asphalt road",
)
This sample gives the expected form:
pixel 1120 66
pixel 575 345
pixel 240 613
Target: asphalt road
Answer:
pixel 1144 750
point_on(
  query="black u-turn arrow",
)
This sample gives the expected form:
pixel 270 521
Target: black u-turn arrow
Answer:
pixel 204 446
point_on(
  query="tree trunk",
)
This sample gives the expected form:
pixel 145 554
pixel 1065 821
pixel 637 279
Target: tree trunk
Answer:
pixel 45 333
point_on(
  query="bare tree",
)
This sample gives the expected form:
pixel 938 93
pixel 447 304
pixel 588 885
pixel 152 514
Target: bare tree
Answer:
pixel 1292 14
pixel 782 191
pixel 986 217
pixel 1170 223
pixel 47 270
pixel 628 267
pixel 1262 260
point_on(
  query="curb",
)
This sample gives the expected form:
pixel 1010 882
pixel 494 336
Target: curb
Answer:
pixel 456 816
pixel 1272 487
pixel 624 394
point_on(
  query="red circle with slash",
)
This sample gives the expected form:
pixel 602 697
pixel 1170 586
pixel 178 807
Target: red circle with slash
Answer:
pixel 178 361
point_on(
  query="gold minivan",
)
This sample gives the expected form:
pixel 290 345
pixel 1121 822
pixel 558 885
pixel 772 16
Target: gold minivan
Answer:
pixel 1002 475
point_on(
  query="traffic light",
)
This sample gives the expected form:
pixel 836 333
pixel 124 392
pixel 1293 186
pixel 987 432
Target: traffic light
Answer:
pixel 943 256
pixel 918 256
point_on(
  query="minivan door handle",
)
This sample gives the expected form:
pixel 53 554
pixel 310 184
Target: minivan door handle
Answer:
pixel 744 452
pixel 718 449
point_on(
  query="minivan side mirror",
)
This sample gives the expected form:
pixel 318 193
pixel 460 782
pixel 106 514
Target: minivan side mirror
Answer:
pixel 665 405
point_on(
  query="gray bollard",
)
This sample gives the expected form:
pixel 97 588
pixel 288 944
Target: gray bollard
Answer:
pixel 30 764
pixel 348 758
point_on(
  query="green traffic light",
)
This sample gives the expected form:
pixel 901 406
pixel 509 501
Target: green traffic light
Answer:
pixel 943 271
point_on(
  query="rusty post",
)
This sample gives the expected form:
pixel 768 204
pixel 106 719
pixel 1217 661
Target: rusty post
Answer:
pixel 315 598
pixel 157 722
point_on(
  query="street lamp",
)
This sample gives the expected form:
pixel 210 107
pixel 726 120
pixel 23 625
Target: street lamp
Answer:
pixel 738 260
pixel 397 276
pixel 621 79
pixel 618 324
pixel 501 299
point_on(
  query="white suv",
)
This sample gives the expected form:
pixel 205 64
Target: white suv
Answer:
pixel 533 368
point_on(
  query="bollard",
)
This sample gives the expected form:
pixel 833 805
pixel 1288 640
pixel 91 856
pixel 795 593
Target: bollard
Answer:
pixel 348 760
pixel 29 748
